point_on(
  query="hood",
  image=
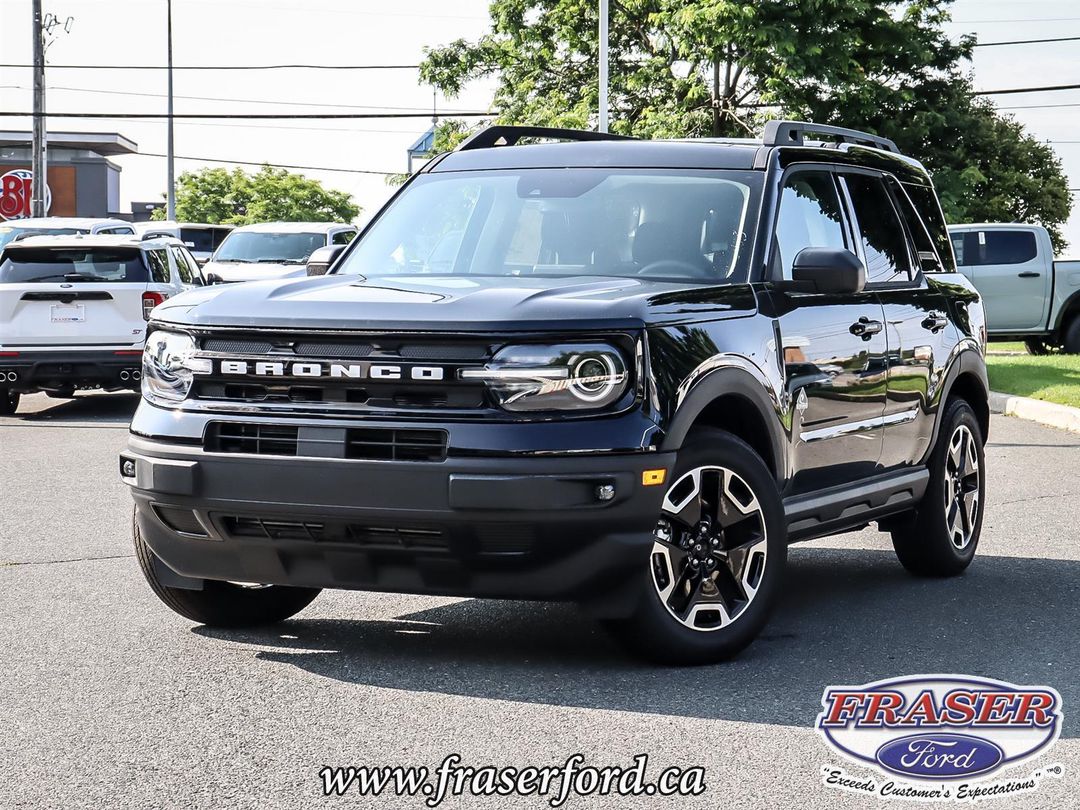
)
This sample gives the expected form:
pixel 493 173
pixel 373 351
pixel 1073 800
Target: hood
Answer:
pixel 241 271
pixel 457 303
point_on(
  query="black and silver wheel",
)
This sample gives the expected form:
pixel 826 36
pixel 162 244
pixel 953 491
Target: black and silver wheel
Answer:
pixel 223 604
pixel 940 538
pixel 718 551
pixel 9 402
pixel 1040 346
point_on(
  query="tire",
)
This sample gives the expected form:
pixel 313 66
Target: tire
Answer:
pixel 1040 346
pixel 224 604
pixel 744 560
pixel 1072 337
pixel 9 402
pixel 937 541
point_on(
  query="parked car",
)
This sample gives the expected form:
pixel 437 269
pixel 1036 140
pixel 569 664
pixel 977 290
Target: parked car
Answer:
pixel 1028 294
pixel 201 239
pixel 273 250
pixel 57 226
pixel 73 310
pixel 640 372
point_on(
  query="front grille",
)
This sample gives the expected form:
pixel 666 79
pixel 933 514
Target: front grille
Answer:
pixel 382 444
pixel 410 538
pixel 357 390
pixel 255 439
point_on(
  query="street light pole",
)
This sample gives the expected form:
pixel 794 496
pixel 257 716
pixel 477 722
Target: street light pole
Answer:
pixel 603 66
pixel 38 161
pixel 170 204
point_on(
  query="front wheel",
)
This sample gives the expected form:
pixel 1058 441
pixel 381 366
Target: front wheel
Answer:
pixel 224 604
pixel 1040 346
pixel 718 555
pixel 940 538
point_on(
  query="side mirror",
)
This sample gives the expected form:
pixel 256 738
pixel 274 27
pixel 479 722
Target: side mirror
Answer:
pixel 213 278
pixel 322 259
pixel 829 270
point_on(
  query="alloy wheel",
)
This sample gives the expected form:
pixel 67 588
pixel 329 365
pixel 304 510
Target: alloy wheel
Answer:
pixel 962 484
pixel 709 548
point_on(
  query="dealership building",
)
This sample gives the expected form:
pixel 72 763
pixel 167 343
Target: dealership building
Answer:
pixel 83 181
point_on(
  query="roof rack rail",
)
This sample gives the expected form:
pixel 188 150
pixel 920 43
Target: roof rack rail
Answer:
pixel 508 135
pixel 792 133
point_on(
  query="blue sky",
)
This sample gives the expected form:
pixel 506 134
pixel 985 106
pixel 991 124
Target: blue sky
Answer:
pixel 336 31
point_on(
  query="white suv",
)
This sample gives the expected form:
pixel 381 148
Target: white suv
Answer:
pixel 73 310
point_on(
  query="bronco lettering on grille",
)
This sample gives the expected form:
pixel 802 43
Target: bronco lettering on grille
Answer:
pixel 355 371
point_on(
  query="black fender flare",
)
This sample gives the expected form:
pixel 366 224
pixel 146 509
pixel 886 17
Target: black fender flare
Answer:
pixel 731 381
pixel 968 360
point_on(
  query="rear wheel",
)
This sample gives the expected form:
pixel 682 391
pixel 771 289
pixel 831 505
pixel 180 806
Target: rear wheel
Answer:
pixel 9 402
pixel 940 537
pixel 1072 336
pixel 224 604
pixel 718 555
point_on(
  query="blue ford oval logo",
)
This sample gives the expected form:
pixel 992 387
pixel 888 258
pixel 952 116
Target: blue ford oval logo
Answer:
pixel 939 756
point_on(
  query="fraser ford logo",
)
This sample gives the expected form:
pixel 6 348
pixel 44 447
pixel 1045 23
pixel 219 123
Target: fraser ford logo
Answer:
pixel 939 737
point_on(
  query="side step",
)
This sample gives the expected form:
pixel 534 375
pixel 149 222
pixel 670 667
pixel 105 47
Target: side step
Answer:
pixel 833 510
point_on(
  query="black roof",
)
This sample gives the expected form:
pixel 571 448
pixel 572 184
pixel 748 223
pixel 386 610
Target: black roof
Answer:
pixel 785 141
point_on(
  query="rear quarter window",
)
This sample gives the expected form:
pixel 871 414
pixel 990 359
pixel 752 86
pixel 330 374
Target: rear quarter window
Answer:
pixel 79 265
pixel 158 261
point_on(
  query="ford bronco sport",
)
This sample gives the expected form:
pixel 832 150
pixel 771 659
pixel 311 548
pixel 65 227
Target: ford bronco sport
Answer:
pixel 618 372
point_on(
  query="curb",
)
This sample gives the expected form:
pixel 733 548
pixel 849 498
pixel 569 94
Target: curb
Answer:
pixel 1035 410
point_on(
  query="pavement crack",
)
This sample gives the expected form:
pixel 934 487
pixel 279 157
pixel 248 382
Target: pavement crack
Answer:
pixel 1032 498
pixel 14 563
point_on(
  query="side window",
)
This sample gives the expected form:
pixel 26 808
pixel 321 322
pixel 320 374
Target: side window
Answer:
pixel 158 262
pixel 809 217
pixel 182 267
pixel 918 230
pixel 884 242
pixel 1003 247
pixel 343 237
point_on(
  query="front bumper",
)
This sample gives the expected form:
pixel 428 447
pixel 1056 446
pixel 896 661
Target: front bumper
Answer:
pixel 503 527
pixel 27 372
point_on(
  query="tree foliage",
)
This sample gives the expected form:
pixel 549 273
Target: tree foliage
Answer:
pixel 686 68
pixel 269 195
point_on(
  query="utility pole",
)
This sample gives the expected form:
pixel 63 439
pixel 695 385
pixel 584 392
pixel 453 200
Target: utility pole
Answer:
pixel 603 66
pixel 38 162
pixel 170 204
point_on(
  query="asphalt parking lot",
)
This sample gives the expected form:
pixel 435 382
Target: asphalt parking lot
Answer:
pixel 108 700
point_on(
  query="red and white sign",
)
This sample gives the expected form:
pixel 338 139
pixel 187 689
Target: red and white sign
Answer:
pixel 15 193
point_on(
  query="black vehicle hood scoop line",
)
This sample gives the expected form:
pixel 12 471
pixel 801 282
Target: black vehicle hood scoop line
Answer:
pixel 458 303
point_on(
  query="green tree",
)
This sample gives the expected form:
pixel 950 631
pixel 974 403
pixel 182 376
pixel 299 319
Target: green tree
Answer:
pixel 239 198
pixel 686 68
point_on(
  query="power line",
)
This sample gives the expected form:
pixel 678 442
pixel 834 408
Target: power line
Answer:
pixel 217 67
pixel 1038 106
pixel 1027 19
pixel 1046 89
pixel 246 116
pixel 267 163
pixel 1025 42
pixel 231 100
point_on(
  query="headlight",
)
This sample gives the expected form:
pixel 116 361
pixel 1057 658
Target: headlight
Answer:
pixel 168 367
pixel 564 377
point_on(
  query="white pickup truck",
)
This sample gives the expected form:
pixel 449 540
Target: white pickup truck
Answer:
pixel 1027 293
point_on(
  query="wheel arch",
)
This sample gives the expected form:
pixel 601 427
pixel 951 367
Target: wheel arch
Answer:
pixel 967 380
pixel 1069 310
pixel 734 400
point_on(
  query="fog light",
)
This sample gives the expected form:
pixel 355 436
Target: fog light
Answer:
pixel 127 468
pixel 653 478
pixel 605 492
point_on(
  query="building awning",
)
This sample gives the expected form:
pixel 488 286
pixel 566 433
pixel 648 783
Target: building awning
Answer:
pixel 103 143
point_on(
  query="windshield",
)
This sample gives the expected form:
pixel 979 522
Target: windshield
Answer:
pixel 684 224
pixel 256 246
pixel 29 265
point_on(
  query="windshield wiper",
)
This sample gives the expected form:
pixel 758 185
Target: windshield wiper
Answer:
pixel 235 261
pixel 277 261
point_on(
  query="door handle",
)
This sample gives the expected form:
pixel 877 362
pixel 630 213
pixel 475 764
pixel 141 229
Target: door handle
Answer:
pixel 1028 274
pixel 865 328
pixel 935 321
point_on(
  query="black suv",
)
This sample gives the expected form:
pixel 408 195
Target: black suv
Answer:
pixel 619 372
